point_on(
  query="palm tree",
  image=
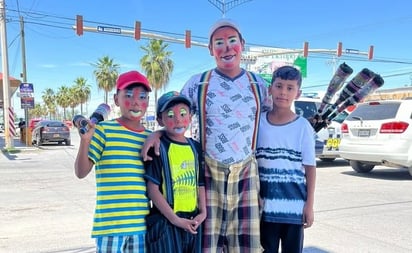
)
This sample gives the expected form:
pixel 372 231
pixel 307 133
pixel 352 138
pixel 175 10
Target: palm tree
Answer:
pixel 74 99
pixel 49 99
pixel 106 73
pixel 63 98
pixel 157 64
pixel 39 111
pixel 82 91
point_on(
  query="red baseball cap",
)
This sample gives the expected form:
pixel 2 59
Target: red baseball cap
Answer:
pixel 132 77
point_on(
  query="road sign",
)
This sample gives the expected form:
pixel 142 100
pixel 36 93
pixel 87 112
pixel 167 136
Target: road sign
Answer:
pixel 351 51
pixel 108 29
pixel 26 96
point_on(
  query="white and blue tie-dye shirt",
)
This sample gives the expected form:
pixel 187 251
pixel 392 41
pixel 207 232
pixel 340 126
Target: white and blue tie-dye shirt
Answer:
pixel 282 150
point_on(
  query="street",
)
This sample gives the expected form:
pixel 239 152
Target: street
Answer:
pixel 46 209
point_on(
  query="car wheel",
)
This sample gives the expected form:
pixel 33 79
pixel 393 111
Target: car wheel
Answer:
pixel 361 167
pixel 68 142
pixel 327 159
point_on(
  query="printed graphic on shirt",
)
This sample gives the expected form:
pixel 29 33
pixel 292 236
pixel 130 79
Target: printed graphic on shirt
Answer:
pixel 183 172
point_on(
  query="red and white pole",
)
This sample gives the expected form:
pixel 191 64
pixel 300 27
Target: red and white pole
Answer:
pixel 5 67
pixel 12 127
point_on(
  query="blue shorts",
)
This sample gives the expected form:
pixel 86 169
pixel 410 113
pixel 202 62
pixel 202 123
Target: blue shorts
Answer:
pixel 121 244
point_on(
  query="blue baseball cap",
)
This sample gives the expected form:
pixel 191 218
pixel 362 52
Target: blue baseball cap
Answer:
pixel 166 99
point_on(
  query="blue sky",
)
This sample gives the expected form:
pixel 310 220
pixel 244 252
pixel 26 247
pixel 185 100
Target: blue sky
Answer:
pixel 56 56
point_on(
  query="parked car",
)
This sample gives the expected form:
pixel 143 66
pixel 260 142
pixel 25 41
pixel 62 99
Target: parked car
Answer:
pixel 378 133
pixel 307 107
pixel 68 123
pixel 327 139
pixel 331 135
pixel 51 131
pixel 33 122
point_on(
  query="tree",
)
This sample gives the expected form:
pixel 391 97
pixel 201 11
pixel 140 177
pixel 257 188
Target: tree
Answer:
pixel 49 99
pixel 82 91
pixel 63 98
pixel 39 111
pixel 157 64
pixel 106 73
pixel 74 99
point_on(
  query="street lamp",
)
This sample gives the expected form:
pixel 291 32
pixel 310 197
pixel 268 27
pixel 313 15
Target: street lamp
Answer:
pixel 224 6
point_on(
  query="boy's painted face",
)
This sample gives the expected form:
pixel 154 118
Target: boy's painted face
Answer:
pixel 284 92
pixel 226 46
pixel 133 102
pixel 176 119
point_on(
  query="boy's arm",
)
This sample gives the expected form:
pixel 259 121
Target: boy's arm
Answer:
pixel 153 140
pixel 160 202
pixel 202 206
pixel 308 213
pixel 83 165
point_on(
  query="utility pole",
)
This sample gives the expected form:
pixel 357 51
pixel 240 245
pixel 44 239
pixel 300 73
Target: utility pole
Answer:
pixel 24 76
pixel 6 81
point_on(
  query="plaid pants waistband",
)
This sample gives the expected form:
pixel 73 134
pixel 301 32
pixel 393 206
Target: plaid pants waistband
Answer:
pixel 216 164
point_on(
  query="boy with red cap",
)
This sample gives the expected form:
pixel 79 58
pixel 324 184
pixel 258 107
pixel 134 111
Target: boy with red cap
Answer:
pixel 113 148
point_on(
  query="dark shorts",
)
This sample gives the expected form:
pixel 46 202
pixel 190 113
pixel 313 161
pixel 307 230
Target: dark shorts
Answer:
pixel 289 236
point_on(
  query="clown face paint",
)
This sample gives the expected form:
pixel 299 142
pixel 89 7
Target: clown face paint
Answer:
pixel 226 46
pixel 133 103
pixel 176 120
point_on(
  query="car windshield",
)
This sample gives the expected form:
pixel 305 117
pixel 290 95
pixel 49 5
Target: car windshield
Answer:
pixel 375 111
pixel 307 109
pixel 54 124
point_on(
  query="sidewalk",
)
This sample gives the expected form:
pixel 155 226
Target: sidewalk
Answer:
pixel 16 143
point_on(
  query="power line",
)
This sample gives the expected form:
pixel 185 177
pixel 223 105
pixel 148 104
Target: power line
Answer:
pixel 47 20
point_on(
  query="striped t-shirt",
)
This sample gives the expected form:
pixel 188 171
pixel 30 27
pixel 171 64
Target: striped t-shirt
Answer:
pixel 281 152
pixel 121 201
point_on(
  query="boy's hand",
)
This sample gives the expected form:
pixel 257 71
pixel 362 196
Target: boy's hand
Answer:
pixel 198 220
pixel 153 140
pixel 90 131
pixel 188 225
pixel 308 216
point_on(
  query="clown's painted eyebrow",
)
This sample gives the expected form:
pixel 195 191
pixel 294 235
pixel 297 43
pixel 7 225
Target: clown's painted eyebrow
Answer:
pixel 170 113
pixel 142 94
pixel 231 40
pixel 183 111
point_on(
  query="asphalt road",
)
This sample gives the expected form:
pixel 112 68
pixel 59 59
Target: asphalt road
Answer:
pixel 45 208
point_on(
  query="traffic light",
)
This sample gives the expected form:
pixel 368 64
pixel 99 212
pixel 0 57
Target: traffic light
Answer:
pixel 188 39
pixel 370 53
pixel 137 30
pixel 305 49
pixel 339 50
pixel 79 25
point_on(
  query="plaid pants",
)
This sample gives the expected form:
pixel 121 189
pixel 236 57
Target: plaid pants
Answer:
pixel 121 244
pixel 232 194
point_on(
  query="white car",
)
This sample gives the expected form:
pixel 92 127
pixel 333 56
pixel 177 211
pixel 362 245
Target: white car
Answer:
pixel 378 133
